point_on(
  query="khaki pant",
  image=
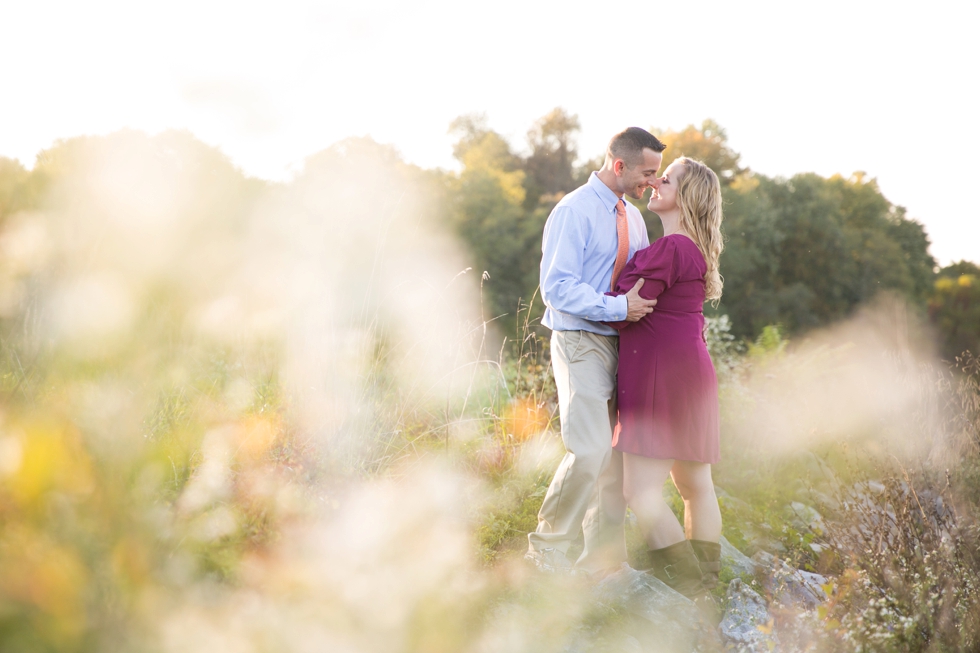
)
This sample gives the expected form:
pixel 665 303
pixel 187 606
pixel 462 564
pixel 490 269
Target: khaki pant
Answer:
pixel 587 490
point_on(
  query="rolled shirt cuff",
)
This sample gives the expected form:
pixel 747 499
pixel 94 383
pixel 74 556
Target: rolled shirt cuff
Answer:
pixel 618 307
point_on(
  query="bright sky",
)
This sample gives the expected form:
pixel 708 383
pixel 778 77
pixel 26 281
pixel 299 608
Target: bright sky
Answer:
pixel 889 88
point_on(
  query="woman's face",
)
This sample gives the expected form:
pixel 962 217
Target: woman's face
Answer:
pixel 664 195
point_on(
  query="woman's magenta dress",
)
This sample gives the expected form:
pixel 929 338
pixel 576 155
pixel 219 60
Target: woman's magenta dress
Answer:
pixel 668 391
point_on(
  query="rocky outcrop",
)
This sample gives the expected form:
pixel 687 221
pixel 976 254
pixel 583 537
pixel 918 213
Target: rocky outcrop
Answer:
pixel 657 615
pixel 739 563
pixel 789 587
pixel 747 625
pixel 640 613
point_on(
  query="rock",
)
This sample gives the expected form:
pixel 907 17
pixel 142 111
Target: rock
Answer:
pixel 828 502
pixel 585 641
pixel 821 474
pixel 754 535
pixel 738 562
pixel 628 644
pixel 793 588
pixel 660 618
pixel 758 537
pixel 868 516
pixel 747 626
pixel 731 501
pixel 805 518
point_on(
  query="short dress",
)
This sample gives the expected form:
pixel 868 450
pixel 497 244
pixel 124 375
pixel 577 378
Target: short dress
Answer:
pixel 667 387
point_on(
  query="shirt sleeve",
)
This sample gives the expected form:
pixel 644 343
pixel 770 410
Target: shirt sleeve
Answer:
pixel 562 268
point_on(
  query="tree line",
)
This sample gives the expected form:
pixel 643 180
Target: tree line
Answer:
pixel 800 252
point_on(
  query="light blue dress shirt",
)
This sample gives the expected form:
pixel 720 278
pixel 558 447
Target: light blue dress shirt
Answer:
pixel 578 253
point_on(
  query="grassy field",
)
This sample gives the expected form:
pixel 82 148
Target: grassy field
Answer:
pixel 166 497
pixel 233 434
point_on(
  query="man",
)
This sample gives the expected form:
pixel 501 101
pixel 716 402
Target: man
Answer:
pixel 588 238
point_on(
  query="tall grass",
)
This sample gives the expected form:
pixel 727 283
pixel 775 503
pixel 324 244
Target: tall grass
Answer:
pixel 284 425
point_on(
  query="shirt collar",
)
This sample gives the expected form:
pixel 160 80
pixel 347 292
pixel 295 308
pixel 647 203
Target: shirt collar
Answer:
pixel 608 198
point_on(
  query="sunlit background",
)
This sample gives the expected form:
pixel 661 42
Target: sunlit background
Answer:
pixel 831 87
pixel 271 372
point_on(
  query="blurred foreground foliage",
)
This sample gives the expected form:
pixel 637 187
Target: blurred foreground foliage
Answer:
pixel 173 477
pixel 153 301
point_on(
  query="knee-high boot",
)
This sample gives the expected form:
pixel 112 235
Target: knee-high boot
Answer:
pixel 677 566
pixel 709 559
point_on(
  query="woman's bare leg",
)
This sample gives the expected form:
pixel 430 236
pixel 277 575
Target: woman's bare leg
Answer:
pixel 702 516
pixel 643 486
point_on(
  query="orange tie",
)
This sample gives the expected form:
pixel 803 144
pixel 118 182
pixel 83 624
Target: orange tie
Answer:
pixel 623 234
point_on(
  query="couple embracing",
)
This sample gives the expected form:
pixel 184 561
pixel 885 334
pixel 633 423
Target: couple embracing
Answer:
pixel 637 392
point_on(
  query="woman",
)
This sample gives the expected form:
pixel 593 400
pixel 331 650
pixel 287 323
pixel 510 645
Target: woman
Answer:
pixel 668 391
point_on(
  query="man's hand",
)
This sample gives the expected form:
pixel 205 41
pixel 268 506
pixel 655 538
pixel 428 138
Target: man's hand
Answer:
pixel 637 307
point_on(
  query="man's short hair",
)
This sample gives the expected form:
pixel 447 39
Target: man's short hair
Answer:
pixel 629 144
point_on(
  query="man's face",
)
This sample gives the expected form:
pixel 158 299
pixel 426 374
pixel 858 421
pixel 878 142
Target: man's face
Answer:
pixel 634 180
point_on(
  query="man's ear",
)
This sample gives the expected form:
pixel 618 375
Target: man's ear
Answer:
pixel 618 166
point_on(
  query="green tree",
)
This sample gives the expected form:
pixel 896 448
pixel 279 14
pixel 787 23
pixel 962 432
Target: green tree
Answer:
pixel 488 212
pixel 550 165
pixel 808 286
pixel 749 263
pixel 954 308
pixel 803 251
pixel 707 143
pixel 958 269
pixel 499 201
pixel 806 251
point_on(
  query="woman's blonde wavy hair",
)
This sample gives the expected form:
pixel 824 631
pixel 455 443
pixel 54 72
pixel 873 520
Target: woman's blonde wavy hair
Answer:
pixel 699 200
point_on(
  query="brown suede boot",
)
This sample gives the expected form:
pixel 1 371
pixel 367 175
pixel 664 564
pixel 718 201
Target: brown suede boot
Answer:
pixel 709 559
pixel 677 566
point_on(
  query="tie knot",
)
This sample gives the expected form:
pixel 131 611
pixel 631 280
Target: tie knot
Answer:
pixel 621 207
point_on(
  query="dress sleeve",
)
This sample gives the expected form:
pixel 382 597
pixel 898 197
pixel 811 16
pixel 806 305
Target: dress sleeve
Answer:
pixel 656 264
